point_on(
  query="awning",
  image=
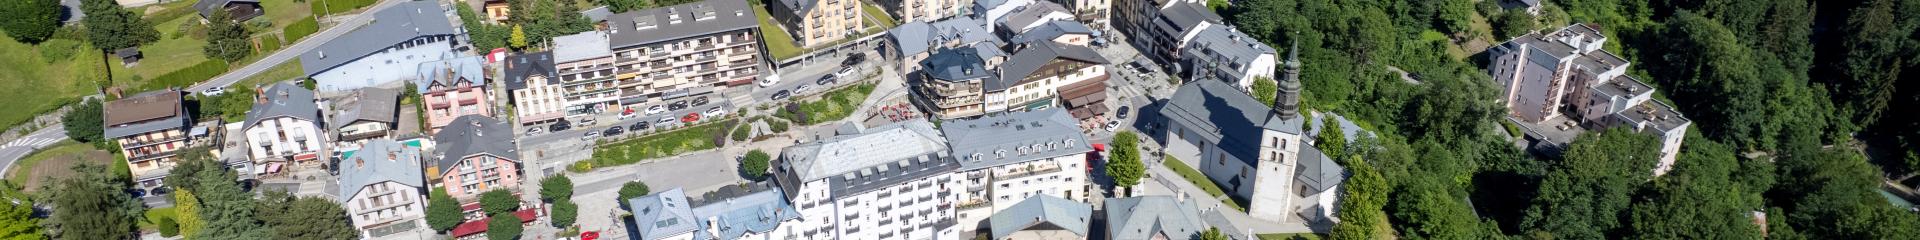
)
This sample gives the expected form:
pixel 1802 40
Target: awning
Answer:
pixel 304 157
pixel 274 167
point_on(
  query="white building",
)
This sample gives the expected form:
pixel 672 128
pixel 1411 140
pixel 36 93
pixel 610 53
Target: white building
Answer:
pixel 1012 157
pixel 364 114
pixel 757 211
pixel 283 127
pixel 537 95
pixel 1221 52
pixel 1027 17
pixel 383 189
pixel 1031 79
pixel 1254 152
pixel 586 72
pixel 1543 77
pixel 890 182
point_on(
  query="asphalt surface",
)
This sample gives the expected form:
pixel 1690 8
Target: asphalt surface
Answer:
pixel 293 51
pixel 19 148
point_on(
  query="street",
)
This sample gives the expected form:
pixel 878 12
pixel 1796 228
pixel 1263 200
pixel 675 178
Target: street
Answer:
pixel 19 148
pixel 294 50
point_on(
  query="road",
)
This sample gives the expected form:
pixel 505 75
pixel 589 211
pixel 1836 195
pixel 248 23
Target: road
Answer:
pixel 19 148
pixel 293 51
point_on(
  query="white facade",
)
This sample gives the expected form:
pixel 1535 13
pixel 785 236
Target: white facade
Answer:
pixel 539 101
pixel 1041 89
pixel 990 190
pixel 386 203
pixel 1265 187
pixel 909 210
pixel 283 137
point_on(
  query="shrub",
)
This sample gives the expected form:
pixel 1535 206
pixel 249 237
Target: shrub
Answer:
pixel 777 126
pixel 168 228
pixel 740 133
pixel 300 29
pixel 268 43
pixel 581 167
pixel 633 189
pixel 187 76
pixel 58 49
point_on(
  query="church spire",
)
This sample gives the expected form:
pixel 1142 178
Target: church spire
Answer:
pixel 1287 98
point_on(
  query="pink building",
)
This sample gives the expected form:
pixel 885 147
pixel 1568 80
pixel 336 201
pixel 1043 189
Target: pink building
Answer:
pixel 453 88
pixel 475 154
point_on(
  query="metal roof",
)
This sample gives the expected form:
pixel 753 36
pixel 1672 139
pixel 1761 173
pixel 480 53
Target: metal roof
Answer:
pixel 380 160
pixel 400 23
pixel 726 216
pixel 1142 218
pixel 859 163
pixel 471 135
pixel 1033 13
pixel 955 65
pixel 450 72
pixel 1048 210
pixel 662 215
pixel 1051 30
pixel 580 46
pixel 1014 137
pixel 694 19
pixel 1227 51
pixel 1317 171
pixel 917 37
pixel 284 100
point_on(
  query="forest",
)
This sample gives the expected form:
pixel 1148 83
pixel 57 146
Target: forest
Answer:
pixel 1797 109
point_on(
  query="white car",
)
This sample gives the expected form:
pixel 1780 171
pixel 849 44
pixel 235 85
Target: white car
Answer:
pixel 656 110
pixel 1113 125
pixel 769 81
pixel 804 87
pixel 590 135
pixel 213 91
pixel 844 71
pixel 715 112
pixel 535 131
pixel 585 121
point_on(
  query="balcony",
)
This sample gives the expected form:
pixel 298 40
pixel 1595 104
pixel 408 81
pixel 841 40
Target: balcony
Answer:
pixel 131 143
pixel 141 155
pixel 974 204
pixel 1030 170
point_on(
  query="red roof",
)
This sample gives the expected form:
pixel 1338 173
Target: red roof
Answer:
pixel 480 226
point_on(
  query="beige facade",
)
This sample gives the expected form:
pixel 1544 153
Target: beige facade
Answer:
pixel 815 23
pixel 686 66
pixel 923 10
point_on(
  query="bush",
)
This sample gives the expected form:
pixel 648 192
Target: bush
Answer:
pixel 56 50
pixel 633 189
pixel 186 76
pixel 268 43
pixel 498 201
pixel 777 126
pixel 168 228
pixel 581 166
pixel 329 7
pixel 740 133
pixel 300 29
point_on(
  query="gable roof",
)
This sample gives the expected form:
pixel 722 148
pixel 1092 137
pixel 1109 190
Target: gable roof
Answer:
pixel 1188 14
pixel 1025 62
pixel 874 159
pixel 473 135
pixel 1231 49
pixel 284 100
pixel 1023 136
pixel 1051 30
pixel 206 7
pixel 801 6
pixel 955 64
pixel 1140 218
pixel 1030 14
pixel 380 160
pixel 142 113
pixel 1317 171
pixel 365 104
pixel 729 214
pixel 1042 209
pixel 451 72
pixel 1212 108
pixel 662 215
pixel 400 23
pixel 697 18
pixel 917 36
pixel 523 67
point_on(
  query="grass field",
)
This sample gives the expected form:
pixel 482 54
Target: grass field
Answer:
pixel 779 43
pixel 1198 179
pixel 657 145
pixel 154 215
pixel 285 12
pixel 1291 236
pixel 285 71
pixel 33 83
pixel 886 21
pixel 55 161
pixel 832 106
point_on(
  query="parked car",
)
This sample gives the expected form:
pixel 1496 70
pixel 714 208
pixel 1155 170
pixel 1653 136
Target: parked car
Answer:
pixel 614 131
pixel 642 125
pixel 586 121
pixel 844 71
pixel 656 110
pixel 826 80
pixel 533 131
pixel 1123 112
pixel 163 190
pixel 559 126
pixel 768 82
pixel 665 123
pixel 676 106
pixel 625 114
pixel 702 100
pixel 690 118
pixel 213 91
pixel 1113 125
pixel 803 88
pixel 589 136
pixel 854 58
pixel 716 112
pixel 781 95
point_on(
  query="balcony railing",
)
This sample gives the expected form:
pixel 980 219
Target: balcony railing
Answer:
pixel 136 156
pixel 137 143
pixel 1027 171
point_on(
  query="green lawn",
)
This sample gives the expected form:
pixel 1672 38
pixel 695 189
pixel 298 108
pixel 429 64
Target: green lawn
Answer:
pixel 1291 236
pixel 154 215
pixel 674 142
pixel 285 71
pixel 172 52
pixel 779 43
pixel 831 106
pixel 33 83
pixel 1200 180
pixel 886 21
pixel 285 12
pixel 36 167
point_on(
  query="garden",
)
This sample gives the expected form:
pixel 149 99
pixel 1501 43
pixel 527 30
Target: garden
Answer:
pixel 832 106
pixel 694 138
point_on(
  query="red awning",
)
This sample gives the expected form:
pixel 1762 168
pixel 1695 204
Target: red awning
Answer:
pixel 1099 147
pixel 304 157
pixel 470 228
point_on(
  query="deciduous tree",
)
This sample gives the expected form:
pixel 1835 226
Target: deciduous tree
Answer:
pixel 556 188
pixel 504 226
pixel 1124 162
pixel 443 213
pixel 84 122
pixel 498 201
pixel 632 190
pixel 755 164
pixel 227 39
pixel 30 21
pixel 564 213
pixel 17 223
pixel 112 27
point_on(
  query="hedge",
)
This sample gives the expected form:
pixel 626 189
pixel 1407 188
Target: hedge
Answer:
pixel 268 43
pixel 186 76
pixel 300 29
pixel 329 7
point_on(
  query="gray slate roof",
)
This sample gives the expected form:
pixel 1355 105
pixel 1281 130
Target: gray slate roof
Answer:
pixel 380 160
pixel 1316 170
pixel 284 100
pixel 143 113
pixel 473 135
pixel 1029 14
pixel 400 23
pixel 955 65
pixel 879 157
pixel 917 37
pixel 1024 136
pixel 1188 14
pixel 1232 50
pixel 801 6
pixel 1140 218
pixel 522 67
pixel 449 73
pixel 1051 30
pixel 1213 108
pixel 1028 60
pixel 724 15
pixel 207 7
pixel 365 104
pixel 1056 212
pixel 755 212
pixel 663 214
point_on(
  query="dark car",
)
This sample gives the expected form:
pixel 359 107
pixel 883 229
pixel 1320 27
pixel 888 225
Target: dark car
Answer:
pixel 1123 112
pixel 615 130
pixel 855 58
pixel 781 95
pixel 137 192
pixel 642 125
pixel 160 191
pixel 702 100
pixel 829 79
pixel 559 126
pixel 676 106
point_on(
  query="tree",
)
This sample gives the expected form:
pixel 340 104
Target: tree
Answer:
pixel 1218 6
pixel 1585 195
pixel 755 164
pixel 30 21
pixel 1699 199
pixel 111 27
pixel 504 226
pixel 1332 141
pixel 1454 16
pixel 556 188
pixel 227 39
pixel 305 217
pixel 1124 164
pixel 633 189
pixel 1513 24
pixel 518 39
pixel 168 228
pixel 1213 233
pixel 1264 89
pixel 94 205
pixel 227 209
pixel 498 201
pixel 626 5
pixel 443 213
pixel 1426 209
pixel 186 209
pixel 17 223
pixel 84 122
pixel 564 213
pixel 1362 213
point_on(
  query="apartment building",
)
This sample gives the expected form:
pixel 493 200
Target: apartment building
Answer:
pixel 1031 16
pixel 951 83
pixel 1253 151
pixel 914 41
pixel 814 23
pixel 453 88
pixel 687 50
pixel 1226 54
pixel 1160 28
pixel 1095 13
pixel 538 96
pixel 150 128
pixel 362 115
pixel 1564 79
pixel 586 73
pixel 472 155
pixel 923 10
pixel 1017 156
pixel 395 41
pixel 756 211
pixel 1032 78
pixel 283 127
pixel 1043 217
pixel 383 190
pixel 989 12
pixel 889 182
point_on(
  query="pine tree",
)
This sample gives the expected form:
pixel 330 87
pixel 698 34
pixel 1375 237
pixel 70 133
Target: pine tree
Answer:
pixel 518 39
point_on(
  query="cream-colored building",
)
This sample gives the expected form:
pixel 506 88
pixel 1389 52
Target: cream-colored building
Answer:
pixel 923 10
pixel 818 22
pixel 537 97
pixel 150 128
pixel 1017 156
pixel 684 50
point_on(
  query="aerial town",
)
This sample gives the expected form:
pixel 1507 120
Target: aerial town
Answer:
pixel 959 119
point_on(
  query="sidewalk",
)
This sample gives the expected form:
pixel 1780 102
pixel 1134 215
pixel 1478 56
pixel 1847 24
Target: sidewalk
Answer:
pixel 1165 180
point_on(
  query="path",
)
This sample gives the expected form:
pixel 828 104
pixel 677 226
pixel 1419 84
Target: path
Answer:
pixel 1404 76
pixel 294 50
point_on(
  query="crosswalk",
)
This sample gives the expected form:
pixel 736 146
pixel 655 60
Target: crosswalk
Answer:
pixel 31 142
